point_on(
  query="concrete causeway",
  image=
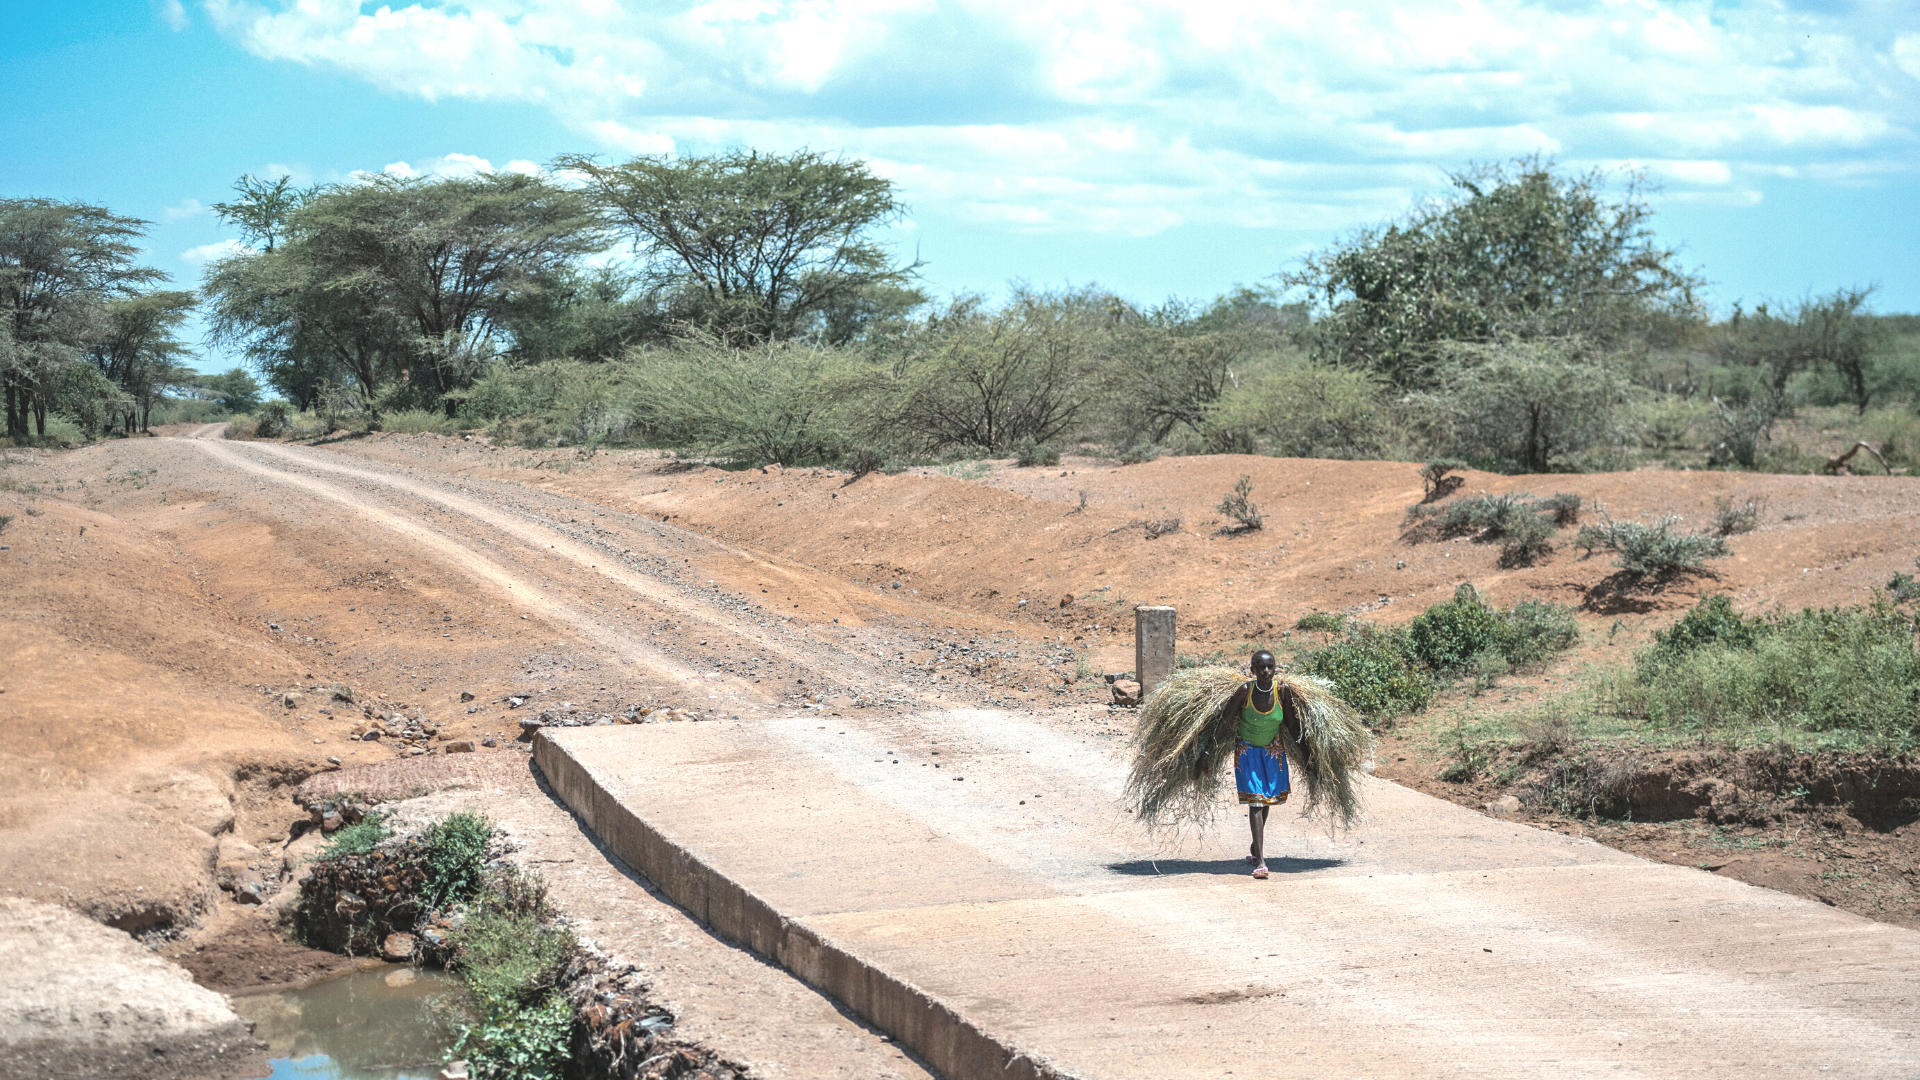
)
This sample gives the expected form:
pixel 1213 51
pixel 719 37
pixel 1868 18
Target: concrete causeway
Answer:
pixel 969 883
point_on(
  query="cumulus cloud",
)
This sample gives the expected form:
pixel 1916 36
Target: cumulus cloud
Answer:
pixel 1139 115
pixel 187 208
pixel 457 164
pixel 207 253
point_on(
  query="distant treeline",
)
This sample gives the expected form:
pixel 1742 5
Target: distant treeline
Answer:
pixel 740 305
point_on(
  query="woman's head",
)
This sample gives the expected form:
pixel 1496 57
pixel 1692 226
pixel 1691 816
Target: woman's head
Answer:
pixel 1262 665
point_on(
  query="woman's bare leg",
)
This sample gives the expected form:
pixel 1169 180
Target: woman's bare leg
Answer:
pixel 1257 821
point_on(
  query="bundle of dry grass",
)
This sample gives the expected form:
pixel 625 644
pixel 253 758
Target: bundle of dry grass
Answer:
pixel 1185 736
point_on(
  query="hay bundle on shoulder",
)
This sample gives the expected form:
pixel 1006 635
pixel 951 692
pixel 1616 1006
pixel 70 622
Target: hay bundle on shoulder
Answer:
pixel 1185 738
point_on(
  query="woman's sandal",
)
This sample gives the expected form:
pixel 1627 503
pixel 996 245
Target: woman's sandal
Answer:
pixel 1251 861
pixel 1259 873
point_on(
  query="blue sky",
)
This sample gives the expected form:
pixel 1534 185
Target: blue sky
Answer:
pixel 1154 148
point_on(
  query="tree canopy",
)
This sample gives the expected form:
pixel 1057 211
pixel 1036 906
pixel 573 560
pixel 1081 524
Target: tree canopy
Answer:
pixel 757 247
pixel 1516 252
pixel 60 264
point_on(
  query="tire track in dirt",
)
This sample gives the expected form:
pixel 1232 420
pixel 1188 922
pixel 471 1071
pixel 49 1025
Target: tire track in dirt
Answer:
pixel 522 528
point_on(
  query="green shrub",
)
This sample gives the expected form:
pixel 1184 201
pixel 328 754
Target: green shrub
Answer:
pixel 1731 518
pixel 5 520
pixel 1848 674
pixel 1434 477
pixel 1446 637
pixel 1525 540
pixel 515 1042
pixel 456 858
pixel 1373 671
pixel 1563 508
pixel 273 420
pixel 1028 453
pixel 1902 588
pixel 417 422
pixel 1238 506
pixel 1710 622
pixel 1329 622
pixel 1138 453
pixel 1654 551
pixel 862 460
pixel 358 838
pixel 1534 630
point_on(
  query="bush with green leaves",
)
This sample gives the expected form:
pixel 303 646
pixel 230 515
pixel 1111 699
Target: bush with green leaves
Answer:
pixel 1656 551
pixel 1372 669
pixel 1299 410
pixel 517 1042
pixel 1534 407
pixel 1526 540
pixel 1563 508
pixel 456 858
pixel 1844 677
pixel 1326 622
pixel 1027 453
pixel 1710 622
pixel 1446 637
pixel 1533 631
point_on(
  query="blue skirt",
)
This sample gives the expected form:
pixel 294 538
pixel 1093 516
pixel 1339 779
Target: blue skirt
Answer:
pixel 1260 775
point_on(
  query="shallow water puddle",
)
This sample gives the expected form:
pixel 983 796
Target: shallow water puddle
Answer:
pixel 371 1025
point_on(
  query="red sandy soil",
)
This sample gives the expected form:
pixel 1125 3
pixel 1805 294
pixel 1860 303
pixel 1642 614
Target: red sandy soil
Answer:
pixel 141 680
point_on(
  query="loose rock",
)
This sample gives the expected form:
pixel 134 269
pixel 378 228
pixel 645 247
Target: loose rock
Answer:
pixel 1126 692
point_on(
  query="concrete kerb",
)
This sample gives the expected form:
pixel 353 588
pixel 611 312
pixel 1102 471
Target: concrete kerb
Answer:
pixel 914 1018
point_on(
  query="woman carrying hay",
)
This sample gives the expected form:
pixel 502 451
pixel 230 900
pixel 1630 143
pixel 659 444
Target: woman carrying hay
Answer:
pixel 1260 771
pixel 1198 718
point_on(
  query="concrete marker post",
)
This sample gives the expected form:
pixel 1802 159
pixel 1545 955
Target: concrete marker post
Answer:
pixel 1152 646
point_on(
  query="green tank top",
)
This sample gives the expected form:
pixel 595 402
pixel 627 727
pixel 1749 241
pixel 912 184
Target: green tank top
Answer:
pixel 1256 727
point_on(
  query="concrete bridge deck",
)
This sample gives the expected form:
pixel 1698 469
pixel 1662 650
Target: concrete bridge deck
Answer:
pixel 968 883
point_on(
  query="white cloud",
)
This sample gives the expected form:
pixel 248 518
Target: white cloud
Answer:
pixel 457 164
pixel 207 253
pixel 174 13
pixel 186 209
pixel 1137 115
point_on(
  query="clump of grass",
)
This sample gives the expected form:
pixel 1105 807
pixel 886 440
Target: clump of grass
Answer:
pixel 5 520
pixel 1903 588
pixel 967 470
pixel 1138 453
pixel 1734 518
pixel 1239 506
pixel 1526 541
pixel 1325 622
pixel 358 838
pixel 1563 508
pixel 417 422
pixel 1028 453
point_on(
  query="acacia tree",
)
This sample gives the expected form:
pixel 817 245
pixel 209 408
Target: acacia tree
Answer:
pixel 59 261
pixel 757 247
pixel 1517 252
pixel 136 349
pixel 395 279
